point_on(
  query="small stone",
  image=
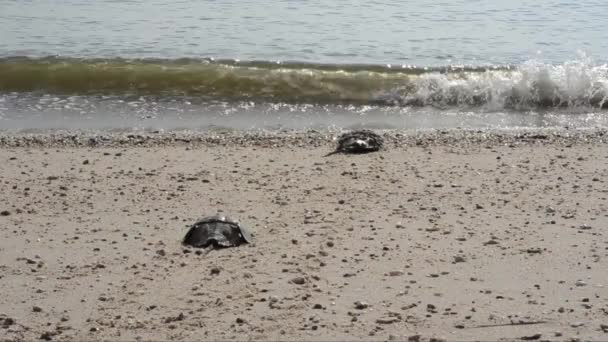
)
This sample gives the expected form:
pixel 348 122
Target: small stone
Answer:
pixel 413 338
pixel 531 337
pixel 177 318
pixel 317 306
pixel 5 213
pixel 94 329
pixel 215 270
pixel 534 250
pixel 458 259
pixel 85 162
pixel 604 327
pixel 577 324
pixel 298 281
pixel 580 283
pixel 7 322
pixel 37 309
pixel 359 305
pixel 240 320
pixel 387 320
pixel 395 273
pixel 584 227
pixel 47 336
pixel 437 339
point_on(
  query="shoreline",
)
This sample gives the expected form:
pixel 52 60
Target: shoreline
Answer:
pixel 297 138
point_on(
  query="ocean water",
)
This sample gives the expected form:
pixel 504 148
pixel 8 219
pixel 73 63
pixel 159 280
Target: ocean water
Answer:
pixel 418 64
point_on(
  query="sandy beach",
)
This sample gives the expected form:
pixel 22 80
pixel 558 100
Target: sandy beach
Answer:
pixel 440 236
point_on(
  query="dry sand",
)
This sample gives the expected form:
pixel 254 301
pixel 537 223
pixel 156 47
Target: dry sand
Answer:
pixel 427 239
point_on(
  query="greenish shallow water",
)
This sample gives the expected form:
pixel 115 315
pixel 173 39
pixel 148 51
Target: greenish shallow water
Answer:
pixel 303 64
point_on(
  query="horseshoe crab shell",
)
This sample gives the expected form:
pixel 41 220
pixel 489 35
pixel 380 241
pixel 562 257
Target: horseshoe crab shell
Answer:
pixel 216 231
pixel 363 141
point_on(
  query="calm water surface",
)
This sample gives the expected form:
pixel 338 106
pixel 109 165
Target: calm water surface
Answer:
pixel 421 32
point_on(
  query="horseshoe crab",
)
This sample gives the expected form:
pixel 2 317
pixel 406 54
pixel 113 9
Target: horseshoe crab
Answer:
pixel 217 231
pixel 362 141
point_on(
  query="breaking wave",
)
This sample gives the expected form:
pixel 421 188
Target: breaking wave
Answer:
pixel 531 85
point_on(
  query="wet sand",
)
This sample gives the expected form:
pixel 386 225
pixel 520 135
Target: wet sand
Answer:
pixel 439 236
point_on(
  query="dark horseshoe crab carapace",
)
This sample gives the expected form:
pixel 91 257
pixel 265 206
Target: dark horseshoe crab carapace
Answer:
pixel 217 231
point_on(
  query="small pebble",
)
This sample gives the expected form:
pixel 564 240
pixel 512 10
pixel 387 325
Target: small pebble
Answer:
pixel 458 259
pixel 359 305
pixel 47 336
pixel 531 337
pixel 437 339
pixel 387 320
pixel 298 281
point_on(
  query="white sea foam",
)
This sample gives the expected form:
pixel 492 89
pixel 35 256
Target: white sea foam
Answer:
pixel 577 83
